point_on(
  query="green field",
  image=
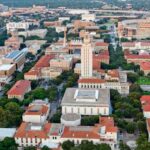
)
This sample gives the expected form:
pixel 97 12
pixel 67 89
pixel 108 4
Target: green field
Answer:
pixel 144 81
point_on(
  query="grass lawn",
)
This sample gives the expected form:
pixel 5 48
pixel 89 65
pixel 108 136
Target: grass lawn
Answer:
pixel 144 81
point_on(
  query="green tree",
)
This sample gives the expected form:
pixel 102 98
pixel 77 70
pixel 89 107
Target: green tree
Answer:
pixel 13 114
pixel 89 120
pixel 141 126
pixel 142 143
pixel 39 93
pixel 30 148
pixel 123 146
pixel 45 148
pixel 135 88
pixel 132 77
pixel 9 144
pixel 67 145
pixel 103 147
pixel 131 127
pixel 3 120
pixel 56 117
pixel 52 93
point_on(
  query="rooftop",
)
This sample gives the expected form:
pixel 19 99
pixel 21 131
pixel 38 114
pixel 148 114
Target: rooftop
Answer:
pixel 7 132
pixel 56 129
pixel 145 99
pixel 30 130
pixel 100 96
pixel 20 87
pixel 6 67
pixel 145 65
pixel 91 80
pixel 70 117
pixel 36 109
pixel 14 54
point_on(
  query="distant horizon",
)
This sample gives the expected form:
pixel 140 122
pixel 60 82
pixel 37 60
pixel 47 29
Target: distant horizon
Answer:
pixel 52 3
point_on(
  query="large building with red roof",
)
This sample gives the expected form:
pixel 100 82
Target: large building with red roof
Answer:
pixel 145 67
pixel 135 58
pixel 52 134
pixel 145 102
pixel 42 69
pixel 37 112
pixel 20 88
pixel 99 45
pixel 142 45
pixel 112 79
pixel 135 28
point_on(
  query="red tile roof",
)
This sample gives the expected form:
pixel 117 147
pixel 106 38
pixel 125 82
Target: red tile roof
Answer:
pixel 145 43
pixel 146 107
pixel 79 133
pixel 128 44
pixel 101 44
pixel 96 64
pixel 44 61
pixel 90 132
pixel 145 99
pixel 102 71
pixel 91 80
pixel 19 88
pixel 104 55
pixel 33 72
pixel 113 73
pixel 132 56
pixel 24 131
pixel 108 122
pixel 42 111
pixel 145 65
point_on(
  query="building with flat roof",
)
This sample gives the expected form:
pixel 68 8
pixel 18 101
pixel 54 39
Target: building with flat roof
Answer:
pixel 71 119
pixel 135 28
pixel 15 57
pixel 137 45
pixel 7 132
pixel 12 26
pixel 37 42
pixel 136 58
pixel 79 24
pixel 86 101
pixel 4 50
pixel 37 32
pixel 18 90
pixel 63 62
pixel 6 71
pixel 100 46
pixel 14 42
pixel 88 17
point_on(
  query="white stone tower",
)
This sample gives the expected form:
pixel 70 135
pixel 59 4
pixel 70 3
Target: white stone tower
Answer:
pixel 86 57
